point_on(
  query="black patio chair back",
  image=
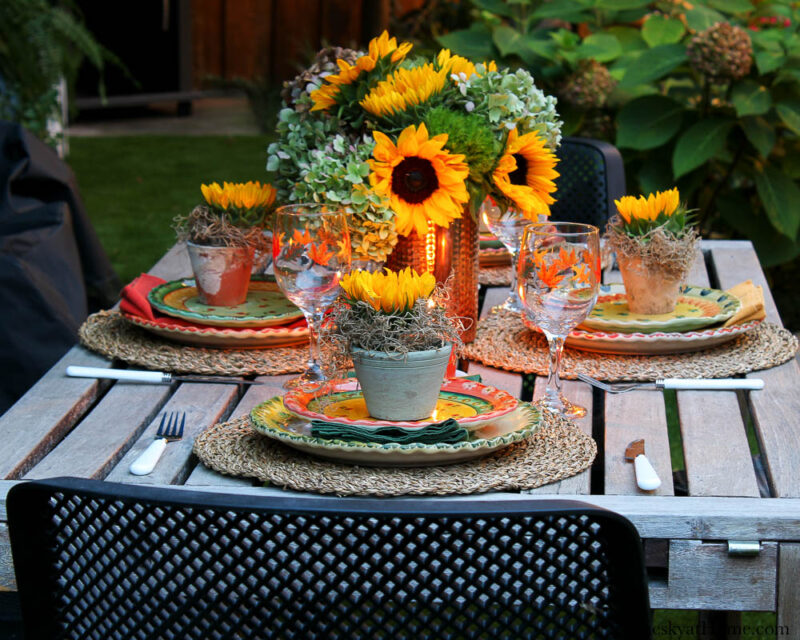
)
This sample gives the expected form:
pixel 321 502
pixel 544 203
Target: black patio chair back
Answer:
pixel 591 177
pixel 102 560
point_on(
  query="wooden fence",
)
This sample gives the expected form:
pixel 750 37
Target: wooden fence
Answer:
pixel 274 38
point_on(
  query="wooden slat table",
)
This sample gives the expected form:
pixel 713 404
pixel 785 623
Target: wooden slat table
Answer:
pixel 86 428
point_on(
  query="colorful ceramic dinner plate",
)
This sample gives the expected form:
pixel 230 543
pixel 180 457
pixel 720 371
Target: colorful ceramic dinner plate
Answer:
pixel 697 307
pixel 470 403
pixel 222 337
pixel 274 421
pixel 265 305
pixel 658 343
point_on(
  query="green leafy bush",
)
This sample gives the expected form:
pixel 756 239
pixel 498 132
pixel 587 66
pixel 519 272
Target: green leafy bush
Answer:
pixel 703 95
pixel 41 42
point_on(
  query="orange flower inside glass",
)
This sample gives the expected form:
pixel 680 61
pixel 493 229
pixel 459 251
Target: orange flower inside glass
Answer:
pixel 568 268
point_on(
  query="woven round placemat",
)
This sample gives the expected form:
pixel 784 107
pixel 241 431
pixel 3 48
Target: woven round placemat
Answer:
pixel 108 333
pixel 504 342
pixel 559 449
pixel 495 276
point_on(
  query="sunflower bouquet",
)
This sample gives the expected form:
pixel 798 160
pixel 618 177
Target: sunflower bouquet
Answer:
pixel 656 244
pixel 407 143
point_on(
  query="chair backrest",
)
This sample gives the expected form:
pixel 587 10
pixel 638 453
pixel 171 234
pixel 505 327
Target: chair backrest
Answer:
pixel 591 177
pixel 102 560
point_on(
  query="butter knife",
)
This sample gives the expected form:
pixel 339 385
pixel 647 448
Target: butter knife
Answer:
pixel 152 377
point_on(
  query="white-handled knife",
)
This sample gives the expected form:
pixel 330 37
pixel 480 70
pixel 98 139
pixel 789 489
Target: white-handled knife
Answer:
pixel 152 377
pixel 713 384
pixel 646 477
pixel 710 383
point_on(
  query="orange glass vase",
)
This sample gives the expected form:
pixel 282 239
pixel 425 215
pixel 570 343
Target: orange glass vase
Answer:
pixel 443 252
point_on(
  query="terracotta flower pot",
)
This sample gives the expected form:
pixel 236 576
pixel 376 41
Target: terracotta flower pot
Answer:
pixel 401 387
pixel 222 274
pixel 648 291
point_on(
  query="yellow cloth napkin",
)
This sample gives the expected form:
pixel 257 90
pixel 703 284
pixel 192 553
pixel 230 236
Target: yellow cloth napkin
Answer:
pixel 752 297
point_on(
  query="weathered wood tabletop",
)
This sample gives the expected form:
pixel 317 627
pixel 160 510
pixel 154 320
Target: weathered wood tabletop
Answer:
pixel 82 427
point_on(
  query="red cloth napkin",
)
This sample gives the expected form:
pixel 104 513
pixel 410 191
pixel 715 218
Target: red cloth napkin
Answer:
pixel 134 296
pixel 134 302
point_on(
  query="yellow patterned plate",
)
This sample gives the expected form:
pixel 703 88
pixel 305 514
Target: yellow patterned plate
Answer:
pixel 471 403
pixel 265 305
pixel 271 419
pixel 697 307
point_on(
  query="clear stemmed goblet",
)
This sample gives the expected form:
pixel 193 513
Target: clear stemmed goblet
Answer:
pixel 311 253
pixel 559 275
pixel 507 226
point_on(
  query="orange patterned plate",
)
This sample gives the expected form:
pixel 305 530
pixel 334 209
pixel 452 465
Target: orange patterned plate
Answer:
pixel 220 337
pixel 470 403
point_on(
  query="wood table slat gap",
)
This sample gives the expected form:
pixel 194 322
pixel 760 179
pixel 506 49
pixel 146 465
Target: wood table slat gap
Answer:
pixel 775 409
pixel 51 407
pixel 98 442
pixel 254 395
pixel 631 416
pixel 710 453
pixel 714 443
pixel 204 404
pixel 581 394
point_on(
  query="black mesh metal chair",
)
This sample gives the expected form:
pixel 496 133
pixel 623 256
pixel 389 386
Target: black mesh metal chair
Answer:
pixel 102 560
pixel 592 177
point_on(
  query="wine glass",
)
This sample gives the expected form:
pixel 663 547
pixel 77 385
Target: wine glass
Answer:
pixel 559 275
pixel 507 226
pixel 311 253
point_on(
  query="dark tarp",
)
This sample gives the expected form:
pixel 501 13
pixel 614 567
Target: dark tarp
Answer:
pixel 53 269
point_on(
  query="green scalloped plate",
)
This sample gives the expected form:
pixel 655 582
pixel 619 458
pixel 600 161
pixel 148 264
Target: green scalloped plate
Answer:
pixel 697 307
pixel 265 305
pixel 271 419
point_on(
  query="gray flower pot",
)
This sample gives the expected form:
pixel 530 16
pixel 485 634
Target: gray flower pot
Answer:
pixel 401 386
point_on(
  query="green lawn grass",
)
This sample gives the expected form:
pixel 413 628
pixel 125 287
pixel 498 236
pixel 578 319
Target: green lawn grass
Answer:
pixel 134 186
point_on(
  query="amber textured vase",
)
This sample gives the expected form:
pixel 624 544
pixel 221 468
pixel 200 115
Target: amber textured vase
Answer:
pixel 445 251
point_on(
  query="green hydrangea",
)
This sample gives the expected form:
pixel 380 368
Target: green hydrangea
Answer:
pixel 315 163
pixel 510 98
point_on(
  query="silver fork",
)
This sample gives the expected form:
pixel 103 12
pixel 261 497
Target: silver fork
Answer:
pixel 677 383
pixel 169 429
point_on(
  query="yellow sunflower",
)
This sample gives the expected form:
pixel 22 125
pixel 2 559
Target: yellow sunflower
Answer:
pixel 458 64
pixel 244 195
pixel 387 290
pixel 403 88
pixel 380 47
pixel 526 172
pixel 422 180
pixel 649 209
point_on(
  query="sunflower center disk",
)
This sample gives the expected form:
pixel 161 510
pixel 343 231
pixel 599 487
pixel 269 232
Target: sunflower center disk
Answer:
pixel 519 175
pixel 414 180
